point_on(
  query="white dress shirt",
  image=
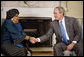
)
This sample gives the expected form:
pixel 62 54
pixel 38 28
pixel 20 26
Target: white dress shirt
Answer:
pixel 63 22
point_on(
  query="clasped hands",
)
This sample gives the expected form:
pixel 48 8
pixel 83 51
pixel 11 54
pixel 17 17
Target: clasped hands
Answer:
pixel 70 46
pixel 33 40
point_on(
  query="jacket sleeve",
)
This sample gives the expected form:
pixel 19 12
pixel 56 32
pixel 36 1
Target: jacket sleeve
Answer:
pixel 76 30
pixel 47 35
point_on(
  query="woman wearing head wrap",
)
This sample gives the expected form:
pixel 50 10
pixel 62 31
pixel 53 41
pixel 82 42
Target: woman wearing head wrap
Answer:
pixel 13 37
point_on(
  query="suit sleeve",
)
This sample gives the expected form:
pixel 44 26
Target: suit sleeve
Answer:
pixel 76 30
pixel 47 35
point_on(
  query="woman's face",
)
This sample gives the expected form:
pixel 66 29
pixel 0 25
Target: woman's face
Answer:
pixel 15 19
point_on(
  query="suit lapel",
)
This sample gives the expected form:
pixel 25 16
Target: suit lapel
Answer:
pixel 59 29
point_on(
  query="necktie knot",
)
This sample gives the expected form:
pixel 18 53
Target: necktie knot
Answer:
pixel 60 21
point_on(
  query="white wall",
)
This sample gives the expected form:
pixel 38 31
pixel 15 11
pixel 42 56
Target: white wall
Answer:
pixel 75 9
pixel 31 12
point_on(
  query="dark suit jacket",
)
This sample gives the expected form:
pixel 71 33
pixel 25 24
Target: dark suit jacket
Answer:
pixel 71 27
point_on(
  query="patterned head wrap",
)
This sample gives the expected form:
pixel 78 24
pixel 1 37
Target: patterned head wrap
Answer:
pixel 11 13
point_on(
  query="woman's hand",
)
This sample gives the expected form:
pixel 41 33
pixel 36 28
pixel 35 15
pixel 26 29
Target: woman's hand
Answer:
pixel 27 37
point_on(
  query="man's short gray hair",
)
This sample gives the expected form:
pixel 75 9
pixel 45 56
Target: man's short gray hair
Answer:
pixel 61 10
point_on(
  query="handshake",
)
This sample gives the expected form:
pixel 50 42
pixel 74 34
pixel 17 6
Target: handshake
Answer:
pixel 33 40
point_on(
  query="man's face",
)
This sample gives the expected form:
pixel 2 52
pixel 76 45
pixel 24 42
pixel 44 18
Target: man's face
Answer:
pixel 57 15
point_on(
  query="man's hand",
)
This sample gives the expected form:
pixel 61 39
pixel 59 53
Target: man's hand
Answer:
pixel 33 40
pixel 70 46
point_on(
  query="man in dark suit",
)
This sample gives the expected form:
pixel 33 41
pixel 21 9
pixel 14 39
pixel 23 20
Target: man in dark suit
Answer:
pixel 67 33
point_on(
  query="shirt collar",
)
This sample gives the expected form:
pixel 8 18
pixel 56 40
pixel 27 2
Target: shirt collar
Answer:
pixel 62 20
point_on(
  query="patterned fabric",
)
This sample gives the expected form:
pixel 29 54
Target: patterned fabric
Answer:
pixel 11 50
pixel 11 13
pixel 18 40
